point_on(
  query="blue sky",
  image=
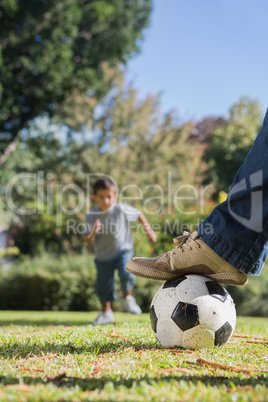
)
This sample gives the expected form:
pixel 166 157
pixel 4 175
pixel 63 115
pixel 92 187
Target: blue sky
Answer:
pixel 204 55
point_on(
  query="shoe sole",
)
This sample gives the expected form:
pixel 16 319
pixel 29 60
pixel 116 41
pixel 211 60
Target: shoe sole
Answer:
pixel 228 278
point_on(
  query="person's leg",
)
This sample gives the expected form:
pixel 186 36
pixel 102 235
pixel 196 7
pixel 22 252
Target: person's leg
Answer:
pixel 105 281
pixel 232 241
pixel 237 229
pixel 105 290
pixel 127 282
pixel 126 278
pixel 106 306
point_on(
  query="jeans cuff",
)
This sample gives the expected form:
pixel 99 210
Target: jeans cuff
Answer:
pixel 227 253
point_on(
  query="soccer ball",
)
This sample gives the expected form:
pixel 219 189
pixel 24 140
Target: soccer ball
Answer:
pixel 192 312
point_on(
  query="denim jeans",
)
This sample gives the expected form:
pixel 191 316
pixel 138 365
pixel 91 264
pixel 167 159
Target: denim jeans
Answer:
pixel 237 229
pixel 105 284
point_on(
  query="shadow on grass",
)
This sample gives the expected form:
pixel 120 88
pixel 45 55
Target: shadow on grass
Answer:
pixel 65 319
pixel 29 349
pixel 91 384
pixel 44 323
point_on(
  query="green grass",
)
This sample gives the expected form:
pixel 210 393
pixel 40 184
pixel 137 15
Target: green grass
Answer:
pixel 59 356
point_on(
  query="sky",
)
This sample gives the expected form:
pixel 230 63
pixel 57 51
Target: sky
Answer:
pixel 204 55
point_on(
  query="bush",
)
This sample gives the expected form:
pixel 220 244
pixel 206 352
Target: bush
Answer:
pixel 252 299
pixel 68 283
pixel 47 283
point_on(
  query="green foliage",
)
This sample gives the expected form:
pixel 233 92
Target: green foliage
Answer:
pixel 9 252
pixel 65 283
pixel 132 133
pixel 229 144
pixel 41 157
pixel 68 283
pixel 252 299
pixel 49 48
pixel 47 283
pixel 144 291
pixel 119 132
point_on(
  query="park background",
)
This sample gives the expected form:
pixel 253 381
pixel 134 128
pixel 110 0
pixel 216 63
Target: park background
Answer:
pixel 77 100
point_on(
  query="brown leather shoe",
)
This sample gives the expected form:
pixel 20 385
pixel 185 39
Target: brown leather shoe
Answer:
pixel 191 256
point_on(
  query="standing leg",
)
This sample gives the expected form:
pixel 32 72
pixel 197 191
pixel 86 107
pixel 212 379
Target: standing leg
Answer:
pixel 105 290
pixel 127 280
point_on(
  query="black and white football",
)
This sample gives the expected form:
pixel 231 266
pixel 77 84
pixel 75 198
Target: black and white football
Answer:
pixel 192 312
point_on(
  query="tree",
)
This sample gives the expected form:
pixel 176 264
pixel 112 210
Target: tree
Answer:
pixel 229 144
pixel 139 146
pixel 38 186
pixel 51 47
pixel 121 135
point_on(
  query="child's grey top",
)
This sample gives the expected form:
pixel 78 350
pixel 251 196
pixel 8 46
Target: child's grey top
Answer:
pixel 114 235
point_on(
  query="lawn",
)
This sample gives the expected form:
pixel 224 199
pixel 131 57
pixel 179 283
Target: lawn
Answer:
pixel 52 356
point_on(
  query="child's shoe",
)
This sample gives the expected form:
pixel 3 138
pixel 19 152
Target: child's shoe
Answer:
pixel 129 305
pixel 104 318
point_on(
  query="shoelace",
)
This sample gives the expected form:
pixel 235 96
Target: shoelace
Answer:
pixel 182 240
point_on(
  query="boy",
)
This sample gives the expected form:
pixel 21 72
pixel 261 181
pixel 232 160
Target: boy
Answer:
pixel 108 231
